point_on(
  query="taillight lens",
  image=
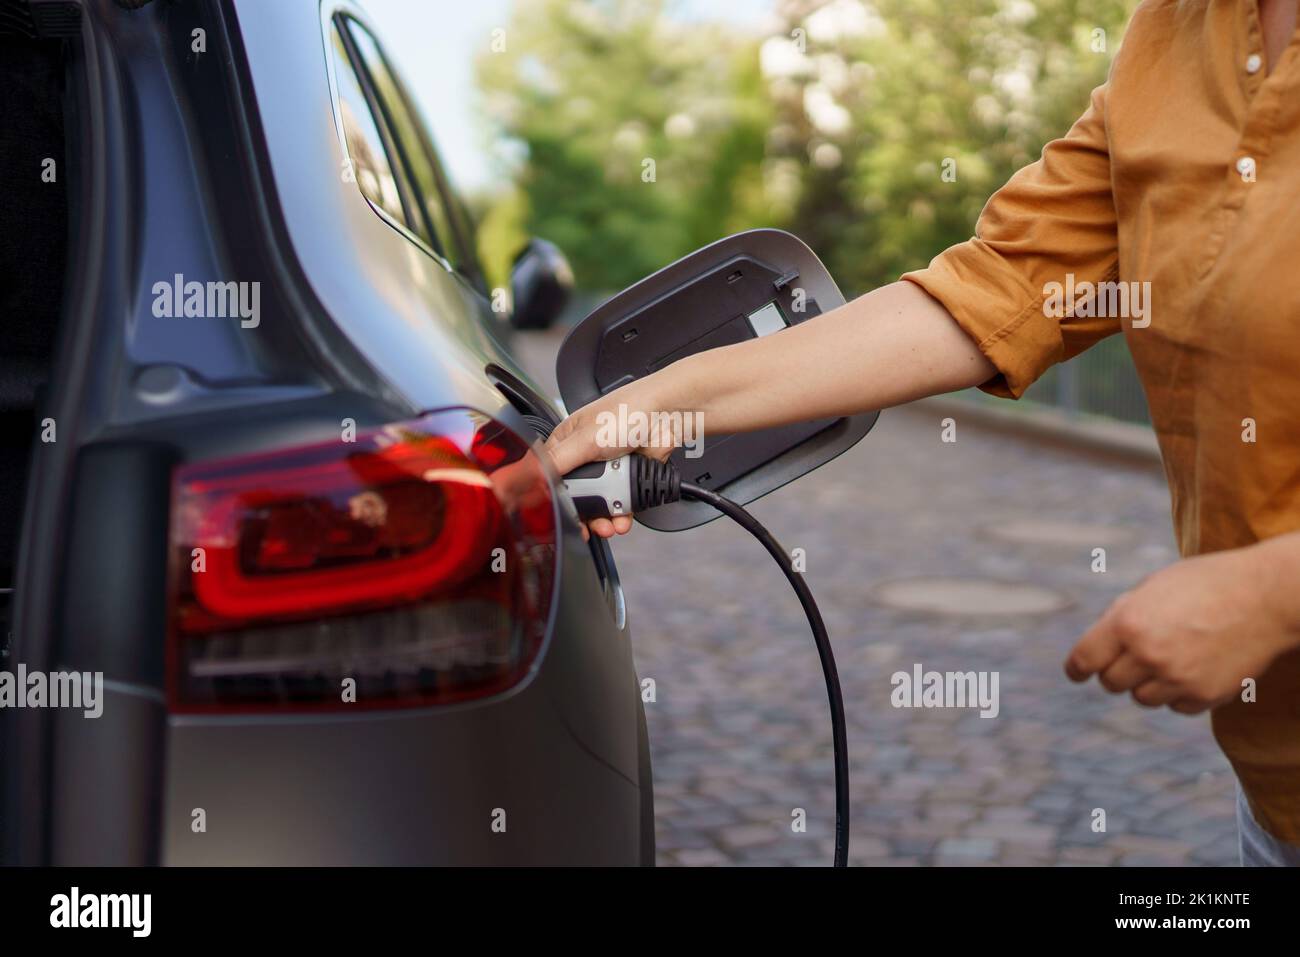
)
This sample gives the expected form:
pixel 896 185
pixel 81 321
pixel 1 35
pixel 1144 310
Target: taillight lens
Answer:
pixel 418 561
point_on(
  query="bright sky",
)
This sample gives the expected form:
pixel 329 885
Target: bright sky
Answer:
pixel 435 42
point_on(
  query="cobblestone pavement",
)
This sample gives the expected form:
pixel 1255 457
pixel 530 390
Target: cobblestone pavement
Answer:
pixel 739 731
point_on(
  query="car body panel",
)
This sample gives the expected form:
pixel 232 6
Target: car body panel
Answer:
pixel 227 168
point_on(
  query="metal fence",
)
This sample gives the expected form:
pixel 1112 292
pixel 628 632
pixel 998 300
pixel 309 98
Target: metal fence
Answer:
pixel 1100 382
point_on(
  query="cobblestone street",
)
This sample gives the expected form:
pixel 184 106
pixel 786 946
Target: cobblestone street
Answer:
pixel 739 730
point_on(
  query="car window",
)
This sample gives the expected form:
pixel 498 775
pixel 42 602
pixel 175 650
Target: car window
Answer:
pixel 371 167
pixel 428 178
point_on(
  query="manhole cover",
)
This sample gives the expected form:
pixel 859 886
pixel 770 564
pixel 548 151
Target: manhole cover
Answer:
pixel 969 596
pixel 1033 531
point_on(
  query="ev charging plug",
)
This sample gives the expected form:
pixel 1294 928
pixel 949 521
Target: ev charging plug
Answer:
pixel 630 483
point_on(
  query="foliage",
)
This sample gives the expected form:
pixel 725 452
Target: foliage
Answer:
pixel 835 125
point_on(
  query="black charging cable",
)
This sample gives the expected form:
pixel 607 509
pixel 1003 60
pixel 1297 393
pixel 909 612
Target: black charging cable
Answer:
pixel 634 483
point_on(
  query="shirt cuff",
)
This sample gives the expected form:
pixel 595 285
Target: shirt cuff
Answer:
pixel 1001 315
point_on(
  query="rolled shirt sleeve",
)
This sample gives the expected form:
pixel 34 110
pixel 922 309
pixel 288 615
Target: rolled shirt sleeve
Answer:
pixel 1052 218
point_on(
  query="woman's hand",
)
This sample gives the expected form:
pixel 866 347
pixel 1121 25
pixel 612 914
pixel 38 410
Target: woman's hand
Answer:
pixel 1189 635
pixel 629 419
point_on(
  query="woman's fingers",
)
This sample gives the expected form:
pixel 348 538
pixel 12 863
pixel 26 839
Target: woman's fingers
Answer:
pixel 609 527
pixel 1123 674
pixel 568 450
pixel 1154 693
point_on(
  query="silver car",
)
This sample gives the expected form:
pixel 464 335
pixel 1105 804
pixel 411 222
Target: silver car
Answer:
pixel 271 470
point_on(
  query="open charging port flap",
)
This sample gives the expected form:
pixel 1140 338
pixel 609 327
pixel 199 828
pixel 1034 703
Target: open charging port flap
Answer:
pixel 754 283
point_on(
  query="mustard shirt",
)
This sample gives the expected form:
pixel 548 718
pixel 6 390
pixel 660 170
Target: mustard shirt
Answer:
pixel 1172 211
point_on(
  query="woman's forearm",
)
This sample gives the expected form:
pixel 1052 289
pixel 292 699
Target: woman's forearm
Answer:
pixel 882 349
pixel 885 348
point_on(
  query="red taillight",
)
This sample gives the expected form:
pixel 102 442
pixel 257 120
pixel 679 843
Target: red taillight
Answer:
pixel 417 561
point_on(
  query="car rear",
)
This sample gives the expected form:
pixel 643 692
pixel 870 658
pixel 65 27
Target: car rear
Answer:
pixel 339 608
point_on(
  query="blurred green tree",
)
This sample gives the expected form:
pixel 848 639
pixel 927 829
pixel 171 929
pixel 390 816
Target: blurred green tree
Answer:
pixel 904 116
pixel 640 135
pixel 874 130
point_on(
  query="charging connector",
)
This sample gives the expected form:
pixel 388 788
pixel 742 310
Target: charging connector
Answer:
pixel 621 486
pixel 632 483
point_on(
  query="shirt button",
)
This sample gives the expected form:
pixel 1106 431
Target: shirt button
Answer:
pixel 1246 167
pixel 1254 62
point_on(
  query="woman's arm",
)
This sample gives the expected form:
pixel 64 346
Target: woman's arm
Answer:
pixel 885 348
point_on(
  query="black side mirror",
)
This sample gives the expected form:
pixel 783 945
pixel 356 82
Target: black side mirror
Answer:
pixel 540 284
